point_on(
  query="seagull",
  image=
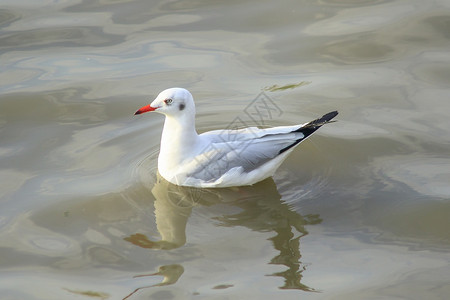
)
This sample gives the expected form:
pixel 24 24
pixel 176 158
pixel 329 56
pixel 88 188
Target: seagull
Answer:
pixel 220 158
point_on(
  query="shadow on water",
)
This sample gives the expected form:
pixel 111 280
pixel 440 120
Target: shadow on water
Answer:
pixel 261 210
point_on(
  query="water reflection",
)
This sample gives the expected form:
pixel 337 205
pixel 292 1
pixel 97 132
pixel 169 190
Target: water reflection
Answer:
pixel 171 274
pixel 261 209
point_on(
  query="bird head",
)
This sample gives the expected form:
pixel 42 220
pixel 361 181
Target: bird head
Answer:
pixel 171 102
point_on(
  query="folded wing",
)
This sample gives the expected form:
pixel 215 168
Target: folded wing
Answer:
pixel 245 150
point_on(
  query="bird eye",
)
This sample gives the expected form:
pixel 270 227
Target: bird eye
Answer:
pixel 168 101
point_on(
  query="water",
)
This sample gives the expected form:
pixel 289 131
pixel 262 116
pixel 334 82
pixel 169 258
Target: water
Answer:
pixel 359 211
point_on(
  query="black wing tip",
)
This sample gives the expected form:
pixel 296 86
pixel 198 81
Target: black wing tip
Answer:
pixel 326 118
pixel 311 127
pixel 331 114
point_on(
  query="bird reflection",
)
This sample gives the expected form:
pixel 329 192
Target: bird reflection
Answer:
pixel 261 210
pixel 171 273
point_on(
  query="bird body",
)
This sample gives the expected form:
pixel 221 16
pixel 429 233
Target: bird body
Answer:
pixel 220 158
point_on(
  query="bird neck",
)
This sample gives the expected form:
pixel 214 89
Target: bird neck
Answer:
pixel 178 134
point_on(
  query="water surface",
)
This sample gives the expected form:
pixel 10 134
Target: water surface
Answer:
pixel 360 210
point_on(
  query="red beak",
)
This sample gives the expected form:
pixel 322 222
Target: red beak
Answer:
pixel 145 109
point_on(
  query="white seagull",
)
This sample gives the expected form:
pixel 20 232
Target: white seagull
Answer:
pixel 220 158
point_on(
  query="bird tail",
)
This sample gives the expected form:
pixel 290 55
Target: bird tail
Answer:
pixel 310 127
pixel 319 122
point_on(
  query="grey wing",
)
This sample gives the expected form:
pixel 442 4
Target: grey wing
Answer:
pixel 250 148
pixel 251 154
pixel 246 155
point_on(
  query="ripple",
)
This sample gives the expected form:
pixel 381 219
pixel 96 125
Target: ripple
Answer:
pixel 51 37
pixel 7 17
pixel 104 255
pixel 434 73
pixel 352 3
pixel 363 51
pixel 357 20
pixel 51 243
pixel 147 167
pixel 441 24
pixel 427 175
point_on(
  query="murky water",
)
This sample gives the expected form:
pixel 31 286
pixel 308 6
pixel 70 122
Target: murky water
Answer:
pixel 359 211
